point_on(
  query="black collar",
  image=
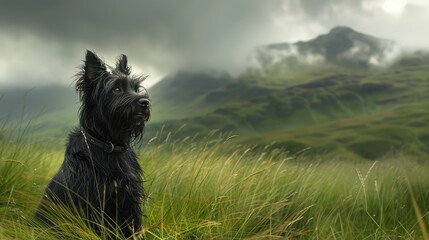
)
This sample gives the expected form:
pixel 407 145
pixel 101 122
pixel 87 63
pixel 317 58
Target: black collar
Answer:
pixel 106 146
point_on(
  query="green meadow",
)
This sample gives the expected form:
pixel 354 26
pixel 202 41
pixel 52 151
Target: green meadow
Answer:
pixel 212 189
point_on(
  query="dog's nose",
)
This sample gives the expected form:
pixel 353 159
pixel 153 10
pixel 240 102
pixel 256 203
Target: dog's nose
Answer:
pixel 144 102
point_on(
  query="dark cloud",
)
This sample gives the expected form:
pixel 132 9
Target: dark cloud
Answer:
pixel 163 34
pixel 324 8
pixel 315 8
pixel 45 39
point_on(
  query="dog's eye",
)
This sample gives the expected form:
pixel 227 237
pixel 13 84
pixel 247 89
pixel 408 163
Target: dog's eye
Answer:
pixel 117 90
pixel 141 89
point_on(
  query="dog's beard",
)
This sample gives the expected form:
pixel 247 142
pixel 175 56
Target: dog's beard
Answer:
pixel 142 116
pixel 130 121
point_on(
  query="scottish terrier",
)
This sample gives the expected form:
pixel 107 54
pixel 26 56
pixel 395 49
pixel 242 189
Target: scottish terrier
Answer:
pixel 100 179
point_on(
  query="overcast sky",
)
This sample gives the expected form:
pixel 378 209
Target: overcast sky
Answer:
pixel 44 41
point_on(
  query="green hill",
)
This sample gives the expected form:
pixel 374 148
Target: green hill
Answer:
pixel 320 109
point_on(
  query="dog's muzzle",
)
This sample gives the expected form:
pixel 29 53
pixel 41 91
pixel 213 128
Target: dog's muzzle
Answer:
pixel 143 114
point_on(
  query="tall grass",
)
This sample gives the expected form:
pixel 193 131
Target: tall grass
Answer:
pixel 208 189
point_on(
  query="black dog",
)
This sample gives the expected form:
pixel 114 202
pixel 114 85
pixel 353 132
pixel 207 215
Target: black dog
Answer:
pixel 100 179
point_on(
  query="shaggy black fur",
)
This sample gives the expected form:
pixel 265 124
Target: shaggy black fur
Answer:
pixel 103 187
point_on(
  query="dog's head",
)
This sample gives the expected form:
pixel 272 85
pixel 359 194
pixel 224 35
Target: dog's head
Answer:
pixel 111 97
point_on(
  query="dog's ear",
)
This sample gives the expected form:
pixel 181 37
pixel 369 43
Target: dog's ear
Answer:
pixel 122 65
pixel 94 66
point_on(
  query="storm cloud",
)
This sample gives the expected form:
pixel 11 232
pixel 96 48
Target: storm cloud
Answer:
pixel 44 41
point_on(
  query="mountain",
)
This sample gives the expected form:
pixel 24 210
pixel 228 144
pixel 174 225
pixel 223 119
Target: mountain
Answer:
pixel 336 111
pixel 349 53
pixel 341 46
pixel 351 103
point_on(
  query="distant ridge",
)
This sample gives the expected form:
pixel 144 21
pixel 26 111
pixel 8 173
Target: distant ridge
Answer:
pixel 342 45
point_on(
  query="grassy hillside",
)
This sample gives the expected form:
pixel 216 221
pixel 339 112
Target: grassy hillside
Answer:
pixel 326 109
pixel 212 190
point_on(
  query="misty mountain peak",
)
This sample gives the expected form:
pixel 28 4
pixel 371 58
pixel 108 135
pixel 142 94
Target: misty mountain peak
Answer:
pixel 341 45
